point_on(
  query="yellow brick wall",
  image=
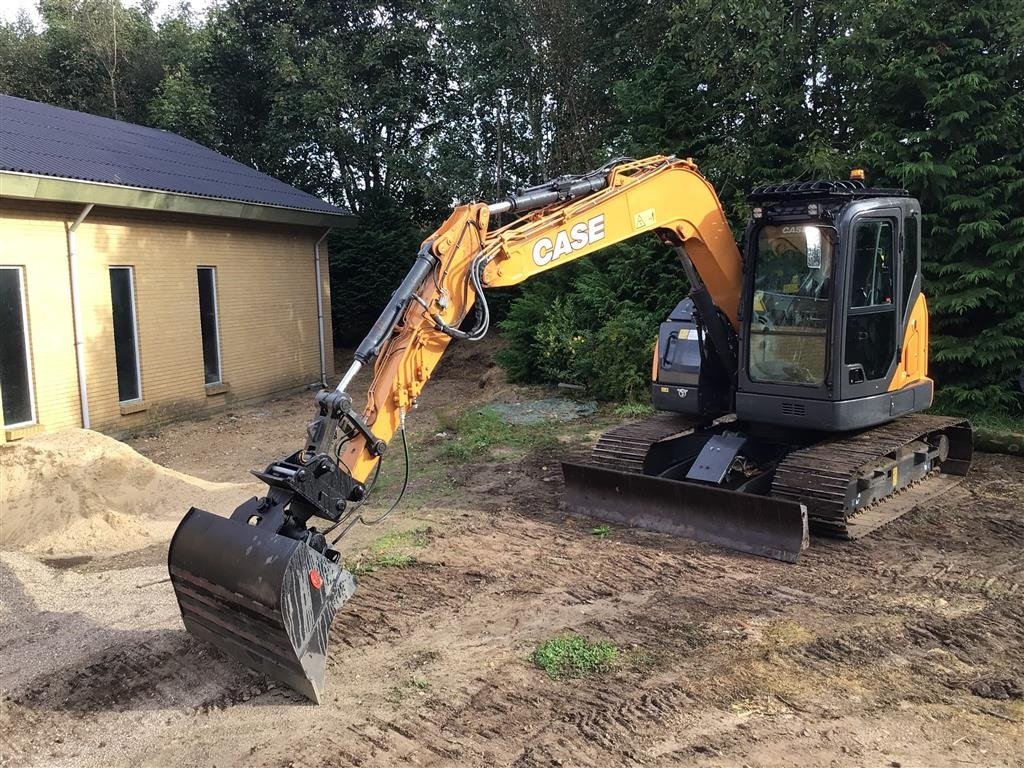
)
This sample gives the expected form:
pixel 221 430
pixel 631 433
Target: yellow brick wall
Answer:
pixel 38 244
pixel 266 305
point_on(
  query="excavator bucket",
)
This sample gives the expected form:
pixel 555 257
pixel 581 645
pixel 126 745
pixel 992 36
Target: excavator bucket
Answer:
pixel 263 599
pixel 745 522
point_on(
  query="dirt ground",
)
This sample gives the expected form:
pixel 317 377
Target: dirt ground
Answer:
pixel 902 649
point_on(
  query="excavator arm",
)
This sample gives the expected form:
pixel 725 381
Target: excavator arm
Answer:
pixel 264 584
pixel 560 222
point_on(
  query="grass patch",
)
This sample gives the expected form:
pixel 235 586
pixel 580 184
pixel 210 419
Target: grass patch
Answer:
pixel 601 531
pixel 996 422
pixel 633 410
pixel 416 538
pixel 786 634
pixel 392 550
pixel 572 655
pixel 476 433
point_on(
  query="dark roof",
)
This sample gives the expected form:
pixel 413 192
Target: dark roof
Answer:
pixel 43 140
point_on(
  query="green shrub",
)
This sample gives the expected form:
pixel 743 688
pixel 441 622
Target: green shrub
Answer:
pixel 594 323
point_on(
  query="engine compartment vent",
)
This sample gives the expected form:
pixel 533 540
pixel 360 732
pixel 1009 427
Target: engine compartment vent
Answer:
pixel 793 409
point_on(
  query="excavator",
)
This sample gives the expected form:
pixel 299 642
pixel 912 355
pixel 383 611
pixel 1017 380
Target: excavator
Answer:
pixel 787 384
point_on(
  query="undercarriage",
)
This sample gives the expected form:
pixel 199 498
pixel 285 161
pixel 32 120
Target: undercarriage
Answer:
pixel 758 489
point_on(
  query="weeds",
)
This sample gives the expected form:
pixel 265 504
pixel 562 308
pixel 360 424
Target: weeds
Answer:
pixel 412 686
pixel 571 655
pixel 477 432
pixel 415 538
pixel 995 421
pixel 389 551
pixel 633 410
pixel 601 531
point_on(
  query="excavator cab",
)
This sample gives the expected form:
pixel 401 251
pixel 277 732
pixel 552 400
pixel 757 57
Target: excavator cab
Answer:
pixel 833 332
pixel 836 324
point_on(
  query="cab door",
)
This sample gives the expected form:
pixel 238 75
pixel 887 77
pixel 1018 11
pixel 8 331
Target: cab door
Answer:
pixel 870 338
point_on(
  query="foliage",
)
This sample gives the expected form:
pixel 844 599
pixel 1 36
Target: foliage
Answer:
pixel 601 531
pixel 926 97
pixel 395 109
pixel 98 56
pixel 571 655
pixel 367 262
pixel 592 323
pixel 633 410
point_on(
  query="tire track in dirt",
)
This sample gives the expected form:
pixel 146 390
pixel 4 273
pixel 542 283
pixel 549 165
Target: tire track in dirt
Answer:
pixel 465 618
pixel 565 572
pixel 390 602
pixel 168 671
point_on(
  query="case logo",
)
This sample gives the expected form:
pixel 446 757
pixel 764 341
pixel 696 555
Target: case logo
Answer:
pixel 566 241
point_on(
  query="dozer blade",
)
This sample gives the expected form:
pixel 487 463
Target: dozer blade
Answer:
pixel 263 599
pixel 745 522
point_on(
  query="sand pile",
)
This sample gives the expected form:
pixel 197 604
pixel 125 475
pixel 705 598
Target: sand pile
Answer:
pixel 77 491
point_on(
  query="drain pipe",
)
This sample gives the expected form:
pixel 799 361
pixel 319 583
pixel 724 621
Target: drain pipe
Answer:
pixel 76 315
pixel 320 307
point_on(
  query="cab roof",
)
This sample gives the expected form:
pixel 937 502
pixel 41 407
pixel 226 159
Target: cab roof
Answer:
pixel 804 191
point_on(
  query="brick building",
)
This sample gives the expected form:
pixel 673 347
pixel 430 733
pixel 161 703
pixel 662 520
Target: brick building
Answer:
pixel 144 277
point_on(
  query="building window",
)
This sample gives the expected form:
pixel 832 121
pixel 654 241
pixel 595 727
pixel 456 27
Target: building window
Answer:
pixel 126 337
pixel 15 359
pixel 209 324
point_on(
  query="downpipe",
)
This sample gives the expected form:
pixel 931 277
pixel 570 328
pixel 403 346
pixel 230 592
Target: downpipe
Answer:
pixel 76 315
pixel 320 307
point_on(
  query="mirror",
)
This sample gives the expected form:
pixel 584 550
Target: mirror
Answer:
pixel 813 237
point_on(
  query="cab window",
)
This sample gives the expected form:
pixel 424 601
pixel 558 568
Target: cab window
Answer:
pixel 872 280
pixel 871 316
pixel 790 304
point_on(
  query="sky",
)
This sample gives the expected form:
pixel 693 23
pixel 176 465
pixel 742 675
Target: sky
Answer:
pixel 9 8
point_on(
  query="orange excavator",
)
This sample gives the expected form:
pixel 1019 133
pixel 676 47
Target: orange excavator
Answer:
pixel 787 384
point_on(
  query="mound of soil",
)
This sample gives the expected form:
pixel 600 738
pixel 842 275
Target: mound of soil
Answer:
pixel 80 491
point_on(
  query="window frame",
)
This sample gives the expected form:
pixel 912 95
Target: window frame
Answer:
pixel 216 326
pixel 23 295
pixel 870 385
pixel 911 220
pixel 895 254
pixel 135 334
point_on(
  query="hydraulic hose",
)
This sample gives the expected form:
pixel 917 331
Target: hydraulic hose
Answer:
pixel 405 484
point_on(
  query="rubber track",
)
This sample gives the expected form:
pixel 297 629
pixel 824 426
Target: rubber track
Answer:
pixel 820 475
pixel 625 448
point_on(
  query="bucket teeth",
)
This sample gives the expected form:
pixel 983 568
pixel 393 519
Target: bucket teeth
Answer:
pixel 263 599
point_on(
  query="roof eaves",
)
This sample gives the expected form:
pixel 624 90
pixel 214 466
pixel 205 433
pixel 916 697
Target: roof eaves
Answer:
pixel 56 189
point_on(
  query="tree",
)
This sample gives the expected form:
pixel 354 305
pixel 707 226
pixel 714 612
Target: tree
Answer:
pixel 926 97
pixel 183 100
pixel 397 108
pixel 94 56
